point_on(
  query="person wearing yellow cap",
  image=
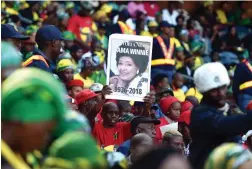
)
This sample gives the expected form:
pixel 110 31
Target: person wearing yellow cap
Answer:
pixel 32 106
pixel 152 26
pixel 65 70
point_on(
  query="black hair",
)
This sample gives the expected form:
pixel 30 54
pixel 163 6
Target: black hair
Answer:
pixel 140 63
pixel 158 78
pixel 74 48
pixel 123 104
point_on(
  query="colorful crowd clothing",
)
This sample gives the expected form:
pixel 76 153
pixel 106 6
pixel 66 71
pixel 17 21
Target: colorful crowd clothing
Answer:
pixel 111 136
pixel 39 60
pixel 242 83
pixel 87 82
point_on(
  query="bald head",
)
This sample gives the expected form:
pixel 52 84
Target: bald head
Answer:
pixel 141 138
pixel 110 106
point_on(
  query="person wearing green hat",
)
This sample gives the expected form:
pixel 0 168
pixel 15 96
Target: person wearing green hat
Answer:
pixel 10 60
pixel 75 150
pixel 32 105
pixel 72 121
pixel 65 70
pixel 69 40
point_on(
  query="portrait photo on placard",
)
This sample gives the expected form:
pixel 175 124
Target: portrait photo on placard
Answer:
pixel 129 63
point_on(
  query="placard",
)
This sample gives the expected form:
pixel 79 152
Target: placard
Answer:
pixel 129 66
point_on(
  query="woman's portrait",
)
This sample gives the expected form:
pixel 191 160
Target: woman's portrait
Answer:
pixel 132 60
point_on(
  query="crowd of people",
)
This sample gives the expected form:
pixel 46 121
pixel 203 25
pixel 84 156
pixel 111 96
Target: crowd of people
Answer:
pixel 197 115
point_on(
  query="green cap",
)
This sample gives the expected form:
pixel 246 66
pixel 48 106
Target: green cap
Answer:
pixel 32 95
pixel 10 56
pixel 75 150
pixel 68 35
pixel 72 121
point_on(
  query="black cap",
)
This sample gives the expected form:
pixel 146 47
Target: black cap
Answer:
pixel 48 33
pixel 9 31
pixel 141 119
pixel 164 24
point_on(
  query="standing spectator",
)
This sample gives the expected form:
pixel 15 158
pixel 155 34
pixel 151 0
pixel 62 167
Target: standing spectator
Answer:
pixel 10 34
pixel 49 40
pixel 163 53
pixel 211 124
pixel 152 27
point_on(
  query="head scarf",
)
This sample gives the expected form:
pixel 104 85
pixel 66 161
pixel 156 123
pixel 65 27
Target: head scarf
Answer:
pixel 10 56
pixel 228 156
pixel 75 150
pixel 72 121
pixel 68 35
pixel 32 95
pixel 64 64
pixel 186 105
pixel 166 102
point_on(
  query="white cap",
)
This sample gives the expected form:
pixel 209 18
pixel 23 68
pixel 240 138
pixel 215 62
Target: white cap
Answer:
pixel 248 134
pixel 96 87
pixel 210 76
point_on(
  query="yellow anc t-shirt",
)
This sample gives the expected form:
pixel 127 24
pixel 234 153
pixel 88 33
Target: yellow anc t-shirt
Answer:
pixel 87 82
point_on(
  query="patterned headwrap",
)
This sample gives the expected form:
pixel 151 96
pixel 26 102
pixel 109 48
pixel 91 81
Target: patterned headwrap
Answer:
pixel 64 64
pixel 32 95
pixel 75 150
pixel 228 156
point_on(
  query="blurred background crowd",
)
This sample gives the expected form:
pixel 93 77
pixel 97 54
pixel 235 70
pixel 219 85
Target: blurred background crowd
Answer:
pixel 195 33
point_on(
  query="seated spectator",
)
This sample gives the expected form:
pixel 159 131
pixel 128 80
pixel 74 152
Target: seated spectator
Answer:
pixel 160 81
pixel 140 144
pixel 183 128
pixel 177 83
pixel 174 139
pixel 170 107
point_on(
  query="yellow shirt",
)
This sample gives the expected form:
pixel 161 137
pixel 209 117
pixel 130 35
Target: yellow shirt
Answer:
pixel 198 62
pixel 194 92
pixel 87 82
pixel 179 94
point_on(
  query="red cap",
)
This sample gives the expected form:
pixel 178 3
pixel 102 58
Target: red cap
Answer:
pixel 186 105
pixel 185 117
pixel 75 82
pixel 84 95
pixel 166 102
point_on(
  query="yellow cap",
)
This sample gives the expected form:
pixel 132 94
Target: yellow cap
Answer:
pixel 152 24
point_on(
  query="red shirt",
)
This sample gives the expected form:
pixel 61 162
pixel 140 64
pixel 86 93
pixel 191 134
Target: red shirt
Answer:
pixel 77 23
pixel 163 122
pixel 111 136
